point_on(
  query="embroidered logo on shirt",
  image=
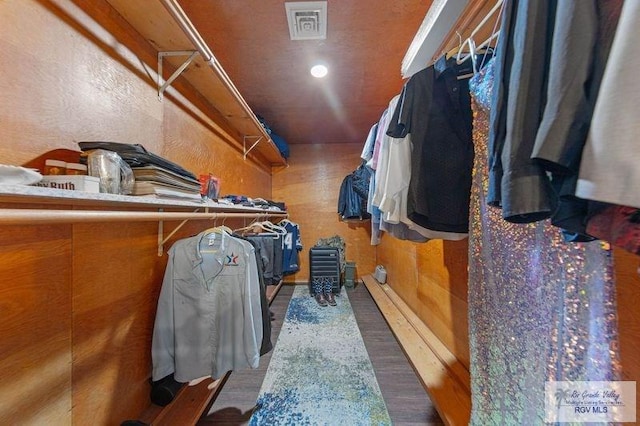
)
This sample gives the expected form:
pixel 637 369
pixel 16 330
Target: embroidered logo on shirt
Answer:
pixel 231 260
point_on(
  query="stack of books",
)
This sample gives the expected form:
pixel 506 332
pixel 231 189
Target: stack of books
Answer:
pixel 152 180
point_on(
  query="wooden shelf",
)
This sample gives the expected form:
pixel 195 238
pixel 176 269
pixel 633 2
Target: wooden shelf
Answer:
pixel 112 208
pixel 23 194
pixel 160 22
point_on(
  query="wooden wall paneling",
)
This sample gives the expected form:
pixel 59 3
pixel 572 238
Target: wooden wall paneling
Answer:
pixel 66 86
pixel 432 278
pixel 627 271
pixel 117 276
pixel 202 112
pixel 400 260
pixel 445 264
pixel 446 315
pixel 310 187
pixel 35 329
pixel 190 141
pixel 441 297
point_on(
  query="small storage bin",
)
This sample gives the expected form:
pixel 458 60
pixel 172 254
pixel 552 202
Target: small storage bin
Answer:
pixel 71 182
pixel 349 274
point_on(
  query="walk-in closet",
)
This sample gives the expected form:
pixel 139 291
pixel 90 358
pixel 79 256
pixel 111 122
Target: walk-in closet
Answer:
pixel 443 229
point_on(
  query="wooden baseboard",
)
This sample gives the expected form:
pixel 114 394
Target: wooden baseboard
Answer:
pixel 188 406
pixel 445 379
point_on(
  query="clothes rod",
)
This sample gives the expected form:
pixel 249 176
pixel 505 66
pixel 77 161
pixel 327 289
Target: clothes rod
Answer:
pixel 188 29
pixel 37 217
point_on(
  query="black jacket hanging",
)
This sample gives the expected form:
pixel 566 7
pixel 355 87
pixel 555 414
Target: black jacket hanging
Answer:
pixel 361 180
pixel 350 204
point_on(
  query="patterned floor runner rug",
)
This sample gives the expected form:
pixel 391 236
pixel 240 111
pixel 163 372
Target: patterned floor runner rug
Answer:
pixel 320 372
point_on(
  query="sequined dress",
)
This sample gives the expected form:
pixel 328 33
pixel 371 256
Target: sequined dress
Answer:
pixel 539 309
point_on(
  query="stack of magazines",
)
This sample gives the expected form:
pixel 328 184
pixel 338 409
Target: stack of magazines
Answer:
pixel 163 183
pixel 154 175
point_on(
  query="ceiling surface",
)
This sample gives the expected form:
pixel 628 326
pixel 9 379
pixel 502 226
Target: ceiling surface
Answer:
pixel 366 41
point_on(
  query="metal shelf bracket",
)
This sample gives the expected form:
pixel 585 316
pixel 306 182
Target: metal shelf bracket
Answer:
pixel 244 144
pixel 163 86
pixel 207 215
pixel 161 240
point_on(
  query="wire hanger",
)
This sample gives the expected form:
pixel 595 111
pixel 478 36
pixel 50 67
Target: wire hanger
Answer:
pixel 470 42
pixel 451 53
pixel 222 229
pixel 257 226
pixel 274 227
pixel 211 234
pixel 472 55
pixel 495 35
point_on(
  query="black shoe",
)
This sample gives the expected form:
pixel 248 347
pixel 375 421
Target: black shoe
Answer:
pixel 320 299
pixel 330 299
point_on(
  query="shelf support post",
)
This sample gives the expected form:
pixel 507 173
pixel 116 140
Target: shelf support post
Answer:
pixel 163 86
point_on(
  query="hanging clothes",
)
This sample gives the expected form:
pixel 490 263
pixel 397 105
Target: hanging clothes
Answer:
pixel 271 252
pixel 550 61
pixel 610 167
pixel 375 213
pixel 278 264
pixel 619 225
pixel 379 132
pixel 382 161
pixel 361 178
pixel 350 204
pixel 581 43
pixel 519 184
pixel 266 344
pixel 435 110
pixel 386 173
pixel 209 318
pixel 396 191
pixel 291 247
pixel 369 145
pixel 539 309
pixel 372 162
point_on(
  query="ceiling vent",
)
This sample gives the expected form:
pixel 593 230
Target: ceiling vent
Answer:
pixel 307 20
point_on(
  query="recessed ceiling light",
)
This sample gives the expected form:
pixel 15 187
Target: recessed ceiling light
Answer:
pixel 319 71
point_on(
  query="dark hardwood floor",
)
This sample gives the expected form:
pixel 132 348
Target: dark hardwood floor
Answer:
pixel 236 400
pixel 406 399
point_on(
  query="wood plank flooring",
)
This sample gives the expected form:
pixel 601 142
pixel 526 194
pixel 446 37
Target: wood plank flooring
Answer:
pixel 406 399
